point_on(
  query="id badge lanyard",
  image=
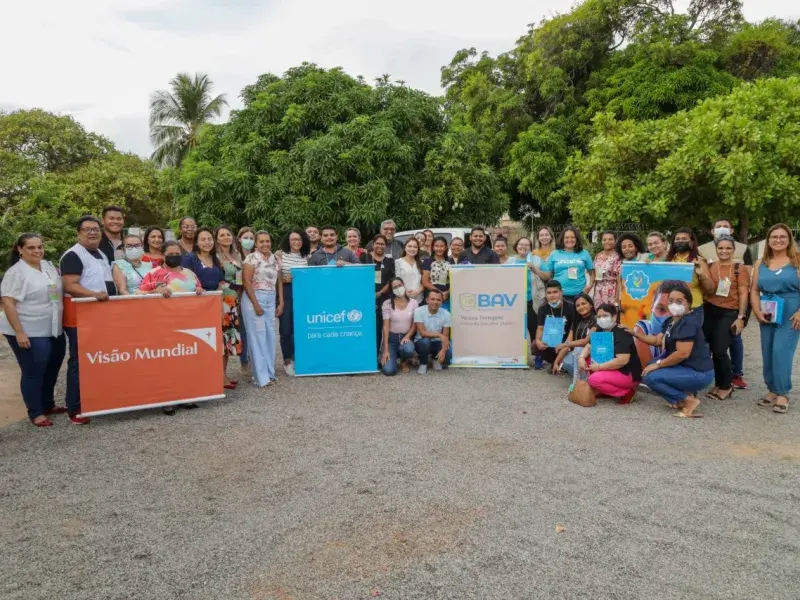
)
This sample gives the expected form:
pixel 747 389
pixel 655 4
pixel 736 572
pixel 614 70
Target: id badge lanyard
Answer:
pixel 55 299
pixel 724 285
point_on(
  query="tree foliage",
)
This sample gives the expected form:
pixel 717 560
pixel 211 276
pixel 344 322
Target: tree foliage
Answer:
pixel 733 155
pixel 318 146
pixel 177 116
pixel 52 171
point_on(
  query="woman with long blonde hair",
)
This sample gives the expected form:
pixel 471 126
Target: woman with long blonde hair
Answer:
pixel 545 242
pixel 775 297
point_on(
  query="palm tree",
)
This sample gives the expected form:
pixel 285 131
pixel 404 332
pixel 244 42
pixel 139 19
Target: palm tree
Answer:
pixel 177 116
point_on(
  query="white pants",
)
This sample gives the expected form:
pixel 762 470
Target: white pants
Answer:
pixel 260 336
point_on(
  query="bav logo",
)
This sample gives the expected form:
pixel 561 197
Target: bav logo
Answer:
pixel 486 301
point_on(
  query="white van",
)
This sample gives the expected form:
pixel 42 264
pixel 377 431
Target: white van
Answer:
pixel 447 233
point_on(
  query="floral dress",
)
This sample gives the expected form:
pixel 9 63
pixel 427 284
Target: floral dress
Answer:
pixel 606 268
pixel 231 338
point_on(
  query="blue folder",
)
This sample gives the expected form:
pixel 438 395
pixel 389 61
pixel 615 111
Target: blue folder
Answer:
pixel 602 347
pixel 553 332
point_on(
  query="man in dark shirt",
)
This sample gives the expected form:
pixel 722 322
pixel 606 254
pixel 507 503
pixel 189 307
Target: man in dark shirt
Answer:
pixel 111 241
pixel 553 312
pixel 479 251
pixel 331 252
pixel 394 248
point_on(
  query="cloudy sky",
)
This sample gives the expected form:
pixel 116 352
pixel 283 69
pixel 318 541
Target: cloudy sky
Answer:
pixel 99 60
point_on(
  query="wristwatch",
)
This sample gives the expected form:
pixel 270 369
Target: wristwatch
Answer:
pixel 658 362
pixel 740 317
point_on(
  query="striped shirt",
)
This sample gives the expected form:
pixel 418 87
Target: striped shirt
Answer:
pixel 292 260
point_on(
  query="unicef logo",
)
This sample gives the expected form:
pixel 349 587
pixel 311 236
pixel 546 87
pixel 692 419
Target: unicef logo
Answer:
pixel 354 316
pixel 637 284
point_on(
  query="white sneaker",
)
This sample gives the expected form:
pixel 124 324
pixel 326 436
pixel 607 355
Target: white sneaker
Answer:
pixel 422 369
pixel 437 366
pixel 289 368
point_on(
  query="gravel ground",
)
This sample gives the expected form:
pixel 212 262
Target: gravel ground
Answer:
pixel 459 485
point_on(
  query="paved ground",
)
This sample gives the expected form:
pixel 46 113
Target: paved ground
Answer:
pixel 466 484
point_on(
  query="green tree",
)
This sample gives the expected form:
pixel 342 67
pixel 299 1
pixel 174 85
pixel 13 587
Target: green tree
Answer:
pixel 177 116
pixel 319 146
pixel 737 155
pixel 52 171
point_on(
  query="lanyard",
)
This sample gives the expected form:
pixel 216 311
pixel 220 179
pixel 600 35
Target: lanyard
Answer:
pixel 553 314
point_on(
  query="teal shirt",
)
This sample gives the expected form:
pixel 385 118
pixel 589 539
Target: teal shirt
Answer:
pixel 569 269
pixel 133 275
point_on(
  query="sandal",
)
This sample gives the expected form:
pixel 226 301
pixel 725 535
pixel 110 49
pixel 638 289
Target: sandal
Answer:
pixel 766 402
pixel 781 409
pixel 691 415
pixel 728 397
pixel 404 366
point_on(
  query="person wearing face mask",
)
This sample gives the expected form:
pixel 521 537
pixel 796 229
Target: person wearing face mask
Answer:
pixel 607 265
pixel 618 377
pixel 555 312
pixel 398 328
pixel 684 250
pixel 741 254
pixel 247 241
pixel 725 312
pixel 171 277
pixel 294 252
pixel 86 273
pixel 129 271
pixel 684 366
pixel 776 279
pixel 384 273
pixel 659 312
pixel 583 326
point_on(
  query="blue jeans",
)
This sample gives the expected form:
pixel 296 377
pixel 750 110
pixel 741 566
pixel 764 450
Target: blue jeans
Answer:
pixel 39 365
pixel 675 383
pixel 261 336
pixel 243 357
pixel 570 363
pixel 286 325
pixel 428 346
pixel 737 355
pixel 73 396
pixel 396 350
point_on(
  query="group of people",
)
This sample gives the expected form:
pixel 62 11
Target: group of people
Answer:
pixel 694 333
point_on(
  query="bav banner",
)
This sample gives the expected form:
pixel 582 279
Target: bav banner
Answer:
pixel 489 316
pixel 334 320
pixel 148 351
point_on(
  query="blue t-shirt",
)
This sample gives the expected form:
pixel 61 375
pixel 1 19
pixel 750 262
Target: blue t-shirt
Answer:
pixel 433 322
pixel 209 277
pixel 569 269
pixel 689 329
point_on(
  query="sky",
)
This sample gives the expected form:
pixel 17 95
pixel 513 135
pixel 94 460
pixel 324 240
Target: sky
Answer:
pixel 100 60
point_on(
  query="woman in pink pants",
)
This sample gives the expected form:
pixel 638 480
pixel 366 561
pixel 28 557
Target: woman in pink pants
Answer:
pixel 619 376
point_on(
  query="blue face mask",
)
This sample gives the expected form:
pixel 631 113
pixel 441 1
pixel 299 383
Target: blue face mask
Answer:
pixel 554 304
pixel 658 321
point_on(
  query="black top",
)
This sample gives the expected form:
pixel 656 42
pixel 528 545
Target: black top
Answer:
pixel 321 257
pixel 486 256
pixel 581 327
pixel 71 264
pixel 107 248
pixel 566 310
pixel 385 267
pixel 624 343
pixel 688 328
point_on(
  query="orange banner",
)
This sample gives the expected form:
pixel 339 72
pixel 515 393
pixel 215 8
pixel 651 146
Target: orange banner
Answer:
pixel 145 351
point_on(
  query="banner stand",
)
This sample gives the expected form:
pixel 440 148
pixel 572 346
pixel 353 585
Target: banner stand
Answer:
pixel 136 355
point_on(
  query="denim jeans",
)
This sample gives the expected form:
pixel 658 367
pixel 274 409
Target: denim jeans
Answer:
pixel 286 324
pixel 261 336
pixel 428 346
pixel 675 383
pixel 396 350
pixel 737 355
pixel 73 395
pixel 570 363
pixel 39 365
pixel 243 357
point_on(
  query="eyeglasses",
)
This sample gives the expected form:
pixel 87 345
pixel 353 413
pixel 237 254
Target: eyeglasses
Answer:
pixel 132 246
pixel 91 230
pixel 779 237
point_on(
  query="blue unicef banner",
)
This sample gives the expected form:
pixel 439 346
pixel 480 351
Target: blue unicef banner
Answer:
pixel 334 320
pixel 640 296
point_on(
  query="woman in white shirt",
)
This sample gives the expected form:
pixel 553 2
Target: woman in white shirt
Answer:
pixel 409 268
pixel 31 321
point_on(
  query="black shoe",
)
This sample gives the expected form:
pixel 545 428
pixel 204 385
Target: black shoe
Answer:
pixel 168 410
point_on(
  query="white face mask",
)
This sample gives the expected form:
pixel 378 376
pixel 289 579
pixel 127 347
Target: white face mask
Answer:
pixel 399 291
pixel 720 231
pixel 605 322
pixel 134 253
pixel 677 310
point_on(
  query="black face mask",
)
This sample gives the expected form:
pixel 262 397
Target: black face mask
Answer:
pixel 173 260
pixel 682 246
